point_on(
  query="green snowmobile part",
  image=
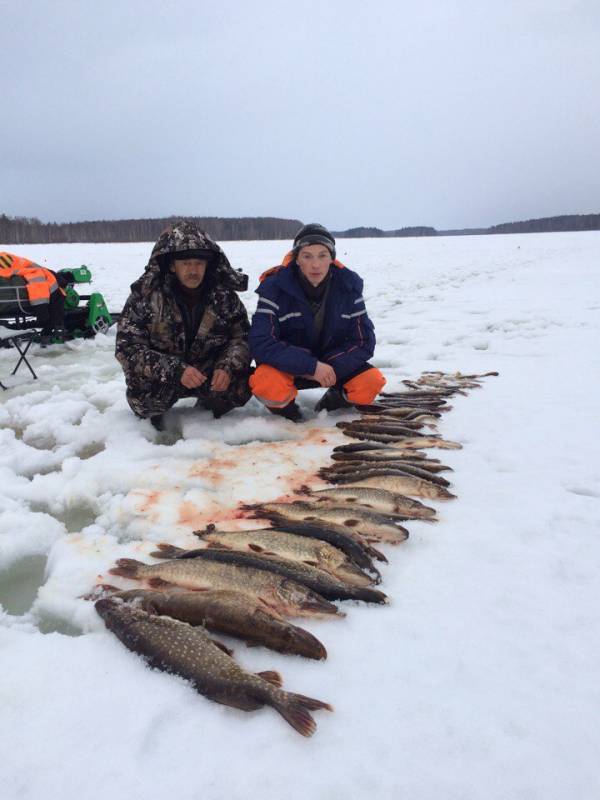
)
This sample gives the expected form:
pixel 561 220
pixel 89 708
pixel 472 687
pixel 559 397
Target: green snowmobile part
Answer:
pixel 99 318
pixel 81 274
pixel 71 298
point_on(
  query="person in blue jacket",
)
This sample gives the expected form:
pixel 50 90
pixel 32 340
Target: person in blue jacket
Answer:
pixel 311 328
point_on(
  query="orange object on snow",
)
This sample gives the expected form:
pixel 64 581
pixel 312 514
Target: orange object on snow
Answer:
pixel 40 282
pixel 276 389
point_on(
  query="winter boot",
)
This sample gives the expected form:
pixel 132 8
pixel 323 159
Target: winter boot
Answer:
pixel 291 412
pixel 218 407
pixel 332 400
pixel 158 422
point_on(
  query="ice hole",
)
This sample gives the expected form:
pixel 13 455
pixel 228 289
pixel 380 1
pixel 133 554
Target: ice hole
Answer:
pixel 75 517
pixel 51 624
pixel 19 584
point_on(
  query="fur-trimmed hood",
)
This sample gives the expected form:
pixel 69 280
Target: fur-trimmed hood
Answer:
pixel 179 237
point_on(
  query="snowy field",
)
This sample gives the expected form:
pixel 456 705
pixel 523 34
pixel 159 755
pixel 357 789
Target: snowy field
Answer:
pixel 479 680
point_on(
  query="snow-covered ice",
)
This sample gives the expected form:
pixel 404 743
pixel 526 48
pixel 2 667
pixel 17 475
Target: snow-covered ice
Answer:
pixel 479 680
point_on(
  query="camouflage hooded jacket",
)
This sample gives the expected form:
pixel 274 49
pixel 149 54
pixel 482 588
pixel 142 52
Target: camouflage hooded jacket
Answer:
pixel 151 333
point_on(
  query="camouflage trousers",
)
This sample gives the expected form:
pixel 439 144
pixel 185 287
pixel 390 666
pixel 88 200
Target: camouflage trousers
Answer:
pixel 149 399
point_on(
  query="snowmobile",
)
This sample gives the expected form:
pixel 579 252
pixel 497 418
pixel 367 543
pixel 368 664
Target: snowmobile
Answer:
pixel 85 315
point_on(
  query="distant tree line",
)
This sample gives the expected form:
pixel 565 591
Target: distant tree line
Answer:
pixel 375 233
pixel 29 230
pixel 566 222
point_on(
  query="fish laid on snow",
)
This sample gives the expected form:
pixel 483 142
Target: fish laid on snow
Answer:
pixel 380 500
pixel 377 427
pixel 181 649
pixel 313 552
pixel 408 443
pixel 390 455
pixel 349 542
pixel 360 447
pixel 325 584
pixel 388 419
pixel 283 594
pixel 400 484
pixel 370 525
pixel 344 468
pixel 406 413
pixel 232 613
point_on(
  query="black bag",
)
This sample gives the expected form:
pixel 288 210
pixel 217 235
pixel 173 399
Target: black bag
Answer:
pixel 13 297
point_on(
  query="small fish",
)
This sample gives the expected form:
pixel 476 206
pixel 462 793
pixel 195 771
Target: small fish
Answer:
pixel 426 406
pixel 350 542
pixel 359 447
pixel 180 649
pixel 376 427
pixel 270 542
pixel 414 443
pixel 417 394
pixel 404 467
pixel 316 579
pixel 370 525
pixel 400 484
pixel 232 613
pixel 380 500
pixel 389 419
pixel 407 413
pixel 282 594
pixel 392 456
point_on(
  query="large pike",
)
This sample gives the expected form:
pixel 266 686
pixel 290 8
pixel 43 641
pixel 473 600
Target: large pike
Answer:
pixel 370 525
pixel 282 594
pixel 178 648
pixel 380 500
pixel 271 542
pixel 233 613
pixel 325 584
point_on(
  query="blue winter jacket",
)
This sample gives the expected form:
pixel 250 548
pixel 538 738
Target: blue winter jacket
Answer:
pixel 282 323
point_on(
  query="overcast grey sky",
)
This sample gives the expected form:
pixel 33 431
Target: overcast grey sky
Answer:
pixel 449 114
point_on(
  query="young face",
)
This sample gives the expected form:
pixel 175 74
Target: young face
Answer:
pixel 313 261
pixel 189 271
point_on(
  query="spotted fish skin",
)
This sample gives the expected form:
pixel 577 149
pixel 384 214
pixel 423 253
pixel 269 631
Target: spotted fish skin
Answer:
pixel 283 594
pixel 368 524
pixel 321 582
pixel 397 483
pixel 232 613
pixel 180 649
pixel 272 542
pixel 381 500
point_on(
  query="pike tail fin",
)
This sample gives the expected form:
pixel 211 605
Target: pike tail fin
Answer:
pixel 127 568
pixel 296 708
pixel 167 551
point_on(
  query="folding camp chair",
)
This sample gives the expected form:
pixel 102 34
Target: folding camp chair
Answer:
pixel 21 341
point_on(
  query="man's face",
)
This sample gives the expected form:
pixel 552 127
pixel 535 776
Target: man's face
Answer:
pixel 189 271
pixel 314 261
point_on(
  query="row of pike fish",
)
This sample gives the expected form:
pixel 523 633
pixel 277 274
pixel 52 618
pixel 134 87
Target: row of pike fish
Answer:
pixel 316 550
